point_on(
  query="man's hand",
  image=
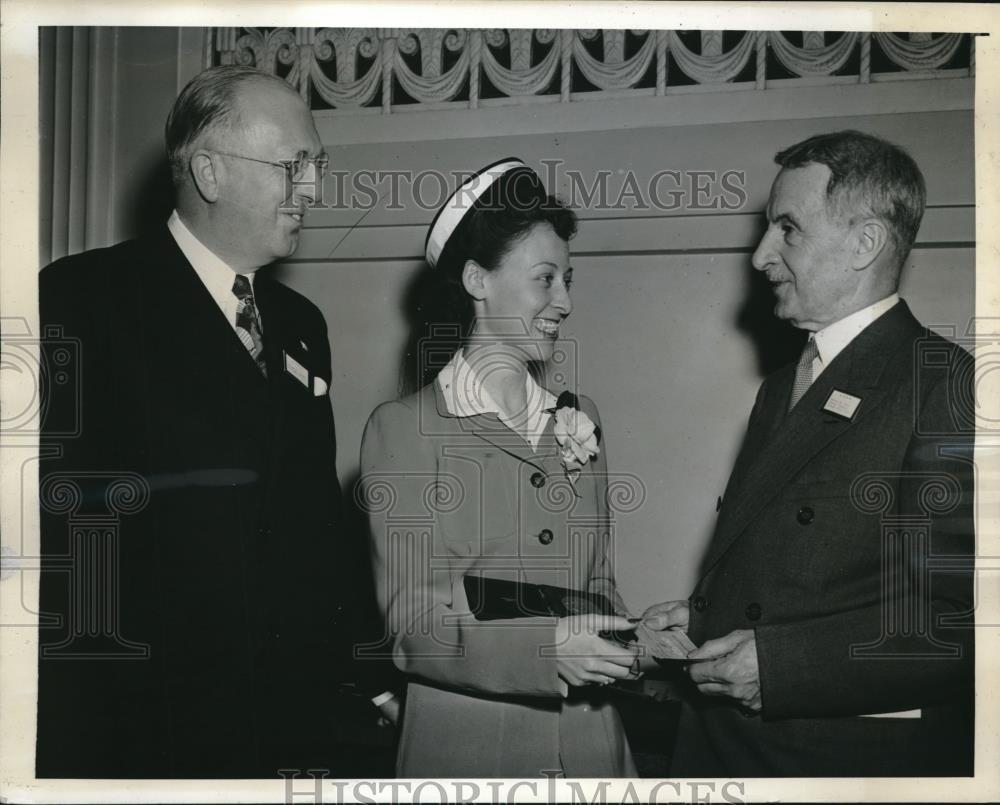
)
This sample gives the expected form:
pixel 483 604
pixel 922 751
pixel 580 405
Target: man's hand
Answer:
pixel 668 615
pixel 666 644
pixel 663 631
pixel 727 666
pixel 389 712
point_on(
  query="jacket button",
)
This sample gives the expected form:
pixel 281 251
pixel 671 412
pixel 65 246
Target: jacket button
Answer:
pixel 537 479
pixel 700 603
pixel 753 612
pixel 805 515
pixel 545 537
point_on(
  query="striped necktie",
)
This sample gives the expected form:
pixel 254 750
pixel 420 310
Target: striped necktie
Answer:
pixel 804 372
pixel 247 322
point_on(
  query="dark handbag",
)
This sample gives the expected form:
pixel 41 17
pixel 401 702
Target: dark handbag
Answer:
pixel 494 599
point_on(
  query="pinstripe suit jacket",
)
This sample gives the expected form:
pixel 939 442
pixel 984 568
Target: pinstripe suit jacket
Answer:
pixel 846 545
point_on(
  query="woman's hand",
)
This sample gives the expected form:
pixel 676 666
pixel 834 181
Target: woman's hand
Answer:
pixel 585 658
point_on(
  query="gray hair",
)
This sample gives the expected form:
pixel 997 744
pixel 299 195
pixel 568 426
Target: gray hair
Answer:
pixel 868 175
pixel 207 104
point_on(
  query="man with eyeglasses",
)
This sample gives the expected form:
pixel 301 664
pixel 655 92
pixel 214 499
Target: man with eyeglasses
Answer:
pixel 212 635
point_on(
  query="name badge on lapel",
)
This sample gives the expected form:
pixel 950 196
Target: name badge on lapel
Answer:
pixel 316 385
pixel 842 404
pixel 296 370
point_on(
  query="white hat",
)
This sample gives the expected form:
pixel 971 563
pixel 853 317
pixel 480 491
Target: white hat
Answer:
pixel 460 202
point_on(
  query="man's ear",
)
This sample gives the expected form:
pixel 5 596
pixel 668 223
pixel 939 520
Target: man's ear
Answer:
pixel 203 173
pixel 873 237
pixel 473 279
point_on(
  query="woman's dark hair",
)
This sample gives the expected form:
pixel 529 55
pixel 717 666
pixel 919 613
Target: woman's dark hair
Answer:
pixel 440 309
pixel 497 220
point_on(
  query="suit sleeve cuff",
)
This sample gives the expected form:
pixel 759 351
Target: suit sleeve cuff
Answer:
pixel 382 698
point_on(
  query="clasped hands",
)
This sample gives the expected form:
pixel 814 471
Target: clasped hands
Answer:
pixel 725 666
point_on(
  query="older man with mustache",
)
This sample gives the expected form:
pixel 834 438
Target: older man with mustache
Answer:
pixel 828 646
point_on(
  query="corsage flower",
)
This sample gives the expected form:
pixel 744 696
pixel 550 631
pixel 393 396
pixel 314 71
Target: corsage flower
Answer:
pixel 576 434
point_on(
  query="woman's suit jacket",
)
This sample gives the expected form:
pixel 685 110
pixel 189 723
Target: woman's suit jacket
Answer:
pixel 450 495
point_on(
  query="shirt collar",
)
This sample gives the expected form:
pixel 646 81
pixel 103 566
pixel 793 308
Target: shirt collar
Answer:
pixel 465 395
pixel 214 272
pixel 834 338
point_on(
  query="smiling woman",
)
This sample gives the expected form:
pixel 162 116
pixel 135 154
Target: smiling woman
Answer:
pixel 476 456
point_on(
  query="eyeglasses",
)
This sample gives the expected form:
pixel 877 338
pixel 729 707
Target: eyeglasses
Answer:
pixel 294 168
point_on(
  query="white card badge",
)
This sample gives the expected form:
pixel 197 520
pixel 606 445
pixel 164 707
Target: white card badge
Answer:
pixel 319 387
pixel 842 404
pixel 296 370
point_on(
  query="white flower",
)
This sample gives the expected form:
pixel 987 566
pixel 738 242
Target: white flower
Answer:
pixel 577 438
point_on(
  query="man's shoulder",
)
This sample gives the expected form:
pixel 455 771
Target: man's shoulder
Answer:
pixel 103 265
pixel 925 353
pixel 291 302
pixel 939 344
pixel 93 287
pixel 92 261
pixel 907 342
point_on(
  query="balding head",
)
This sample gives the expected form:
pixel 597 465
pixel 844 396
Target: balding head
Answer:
pixel 209 106
pixel 235 136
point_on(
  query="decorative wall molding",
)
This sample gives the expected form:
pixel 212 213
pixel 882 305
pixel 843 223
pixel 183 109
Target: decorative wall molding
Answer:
pixel 347 70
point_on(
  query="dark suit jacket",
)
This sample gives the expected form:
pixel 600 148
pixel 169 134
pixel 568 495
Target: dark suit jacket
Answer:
pixel 846 545
pixel 213 495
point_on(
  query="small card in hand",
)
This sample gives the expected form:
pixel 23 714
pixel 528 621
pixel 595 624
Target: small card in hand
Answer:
pixel 494 599
pixel 668 644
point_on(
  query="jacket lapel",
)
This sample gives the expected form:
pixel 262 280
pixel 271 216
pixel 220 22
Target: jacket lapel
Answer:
pixel 780 444
pixel 279 334
pixel 489 428
pixel 200 342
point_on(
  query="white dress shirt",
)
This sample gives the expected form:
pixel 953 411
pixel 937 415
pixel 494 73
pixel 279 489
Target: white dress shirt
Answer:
pixel 215 274
pixel 834 338
pixel 465 395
